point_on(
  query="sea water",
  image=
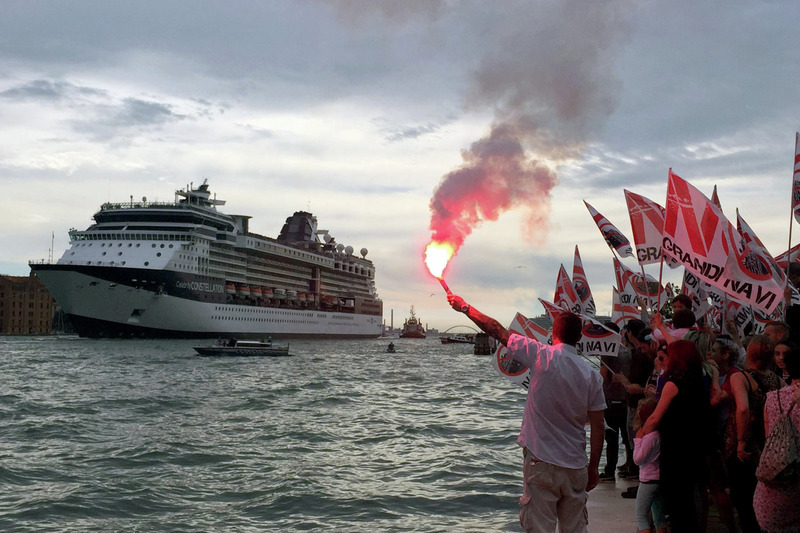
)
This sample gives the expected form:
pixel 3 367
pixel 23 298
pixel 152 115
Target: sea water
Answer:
pixel 144 435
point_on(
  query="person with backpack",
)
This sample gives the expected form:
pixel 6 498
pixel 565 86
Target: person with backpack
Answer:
pixel 744 430
pixel 777 504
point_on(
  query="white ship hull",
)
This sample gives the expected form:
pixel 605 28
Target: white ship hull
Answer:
pixel 185 269
pixel 98 307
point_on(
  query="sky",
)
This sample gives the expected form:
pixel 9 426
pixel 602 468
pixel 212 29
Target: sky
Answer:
pixel 363 112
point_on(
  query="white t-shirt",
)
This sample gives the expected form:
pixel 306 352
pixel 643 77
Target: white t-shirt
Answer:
pixel 564 387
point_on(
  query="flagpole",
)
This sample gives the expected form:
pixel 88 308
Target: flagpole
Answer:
pixel 791 212
pixel 646 286
pixel 660 279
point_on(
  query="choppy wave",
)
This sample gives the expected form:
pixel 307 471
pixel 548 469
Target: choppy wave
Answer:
pixel 103 435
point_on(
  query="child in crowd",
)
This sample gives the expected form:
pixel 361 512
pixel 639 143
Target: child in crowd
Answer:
pixel 646 450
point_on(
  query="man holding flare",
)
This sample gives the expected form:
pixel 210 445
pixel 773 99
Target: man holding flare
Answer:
pixel 564 392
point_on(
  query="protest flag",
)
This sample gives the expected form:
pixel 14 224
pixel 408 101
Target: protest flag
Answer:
pixel 697 234
pixel 613 237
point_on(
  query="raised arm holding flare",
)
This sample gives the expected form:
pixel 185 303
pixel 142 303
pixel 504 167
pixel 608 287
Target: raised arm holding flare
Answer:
pixel 564 392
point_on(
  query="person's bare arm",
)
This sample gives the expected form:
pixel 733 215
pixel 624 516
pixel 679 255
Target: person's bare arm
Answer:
pixel 669 392
pixel 486 323
pixel 597 425
pixel 739 382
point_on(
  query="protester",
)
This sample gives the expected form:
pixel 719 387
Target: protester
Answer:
pixel 777 508
pixel 782 350
pixel 564 391
pixel 656 382
pixel 724 353
pixel 647 449
pixel 681 301
pixel 776 331
pixel 635 382
pixel 793 309
pixel 679 417
pixel 744 431
pixel 682 321
pixel 616 413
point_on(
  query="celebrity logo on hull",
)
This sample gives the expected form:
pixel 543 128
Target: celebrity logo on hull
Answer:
pixel 200 286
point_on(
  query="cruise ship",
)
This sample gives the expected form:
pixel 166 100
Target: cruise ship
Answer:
pixel 184 269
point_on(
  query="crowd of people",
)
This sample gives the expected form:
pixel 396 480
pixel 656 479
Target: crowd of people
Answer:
pixel 701 403
pixel 692 407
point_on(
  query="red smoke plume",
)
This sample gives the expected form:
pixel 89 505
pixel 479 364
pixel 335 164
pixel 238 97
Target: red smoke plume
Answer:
pixel 496 176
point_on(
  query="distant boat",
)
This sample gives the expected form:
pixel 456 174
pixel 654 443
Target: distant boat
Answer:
pixel 484 344
pixel 458 339
pixel 412 328
pixel 234 347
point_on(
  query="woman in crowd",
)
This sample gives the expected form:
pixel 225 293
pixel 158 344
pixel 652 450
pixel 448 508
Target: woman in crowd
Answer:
pixel 679 418
pixel 782 348
pixel 656 381
pixel 778 508
pixel 744 431
pixel 724 353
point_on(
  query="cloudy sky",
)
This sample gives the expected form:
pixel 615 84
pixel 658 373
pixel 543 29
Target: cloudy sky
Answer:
pixel 360 110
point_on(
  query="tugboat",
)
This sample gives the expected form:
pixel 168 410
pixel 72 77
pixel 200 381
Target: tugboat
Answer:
pixel 412 327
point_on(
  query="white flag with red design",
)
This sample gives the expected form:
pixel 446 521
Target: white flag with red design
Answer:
pixel 513 370
pixel 621 313
pixel 790 255
pixel 741 315
pixel 761 319
pixel 613 237
pixel 698 235
pixel 581 285
pixel 565 295
pixel 715 197
pixel 630 283
pixel 751 239
pixel 596 339
pixel 647 222
pixel 700 292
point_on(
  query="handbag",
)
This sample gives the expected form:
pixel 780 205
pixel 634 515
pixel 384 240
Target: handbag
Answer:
pixel 779 465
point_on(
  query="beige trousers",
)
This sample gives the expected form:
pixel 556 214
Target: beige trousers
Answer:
pixel 553 495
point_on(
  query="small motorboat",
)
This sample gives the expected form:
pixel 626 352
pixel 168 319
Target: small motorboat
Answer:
pixel 458 339
pixel 234 347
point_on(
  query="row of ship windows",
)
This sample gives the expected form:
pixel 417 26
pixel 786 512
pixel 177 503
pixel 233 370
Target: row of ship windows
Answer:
pixel 274 320
pixel 260 310
pixel 129 237
pixel 257 319
pixel 130 244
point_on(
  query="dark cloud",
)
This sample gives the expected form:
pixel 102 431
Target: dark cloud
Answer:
pixel 49 90
pixel 135 112
pixel 125 119
pixel 411 132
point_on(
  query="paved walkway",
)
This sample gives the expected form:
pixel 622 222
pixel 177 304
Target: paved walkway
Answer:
pixel 609 512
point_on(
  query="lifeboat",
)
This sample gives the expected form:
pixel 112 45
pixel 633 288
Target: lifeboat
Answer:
pixel 255 292
pixel 243 290
pixel 292 295
pixel 230 288
pixel 267 292
pixel 280 294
